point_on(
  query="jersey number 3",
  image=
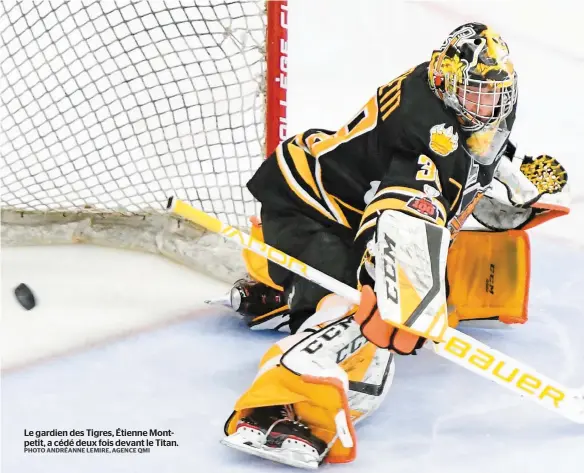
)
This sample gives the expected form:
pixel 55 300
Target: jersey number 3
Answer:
pixel 428 172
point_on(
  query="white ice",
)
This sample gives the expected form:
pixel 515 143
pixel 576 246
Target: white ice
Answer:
pixel 124 340
pixel 186 374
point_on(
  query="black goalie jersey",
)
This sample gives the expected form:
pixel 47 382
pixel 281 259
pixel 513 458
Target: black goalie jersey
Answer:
pixel 403 151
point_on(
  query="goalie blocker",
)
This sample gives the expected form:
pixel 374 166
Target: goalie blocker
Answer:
pixel 408 304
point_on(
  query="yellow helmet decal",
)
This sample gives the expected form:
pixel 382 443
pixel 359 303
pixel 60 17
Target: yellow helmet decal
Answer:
pixel 498 51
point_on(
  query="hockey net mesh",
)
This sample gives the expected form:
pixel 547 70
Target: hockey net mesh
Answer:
pixel 114 106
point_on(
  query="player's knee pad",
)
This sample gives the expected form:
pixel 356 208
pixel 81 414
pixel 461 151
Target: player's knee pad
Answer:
pixel 489 276
pixel 333 377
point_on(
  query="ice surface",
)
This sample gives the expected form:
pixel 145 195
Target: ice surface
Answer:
pixel 186 376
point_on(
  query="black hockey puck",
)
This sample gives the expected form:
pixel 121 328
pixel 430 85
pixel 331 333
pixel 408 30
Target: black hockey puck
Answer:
pixel 24 296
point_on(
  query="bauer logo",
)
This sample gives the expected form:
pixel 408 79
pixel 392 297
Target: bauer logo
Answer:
pixel 500 370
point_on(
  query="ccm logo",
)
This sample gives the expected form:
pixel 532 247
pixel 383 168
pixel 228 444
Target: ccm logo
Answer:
pixel 350 348
pixel 390 270
pixel 328 335
pixel 528 383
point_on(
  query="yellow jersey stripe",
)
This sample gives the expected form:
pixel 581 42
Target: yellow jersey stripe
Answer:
pixel 398 204
pixel 390 102
pixel 457 184
pixel 389 112
pixel 369 224
pixel 331 204
pixel 300 160
pixel 391 91
pixel 409 192
pixel 296 188
pixel 347 206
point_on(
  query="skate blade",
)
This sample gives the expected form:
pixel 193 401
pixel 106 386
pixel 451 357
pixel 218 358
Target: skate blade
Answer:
pixel 484 324
pixel 287 457
pixel 223 300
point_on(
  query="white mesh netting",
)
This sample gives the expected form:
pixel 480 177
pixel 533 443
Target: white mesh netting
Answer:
pixel 114 106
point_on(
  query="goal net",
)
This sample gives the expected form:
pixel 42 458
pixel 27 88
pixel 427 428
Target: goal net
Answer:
pixel 109 108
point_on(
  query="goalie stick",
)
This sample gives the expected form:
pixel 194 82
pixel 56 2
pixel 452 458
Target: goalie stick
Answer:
pixel 456 346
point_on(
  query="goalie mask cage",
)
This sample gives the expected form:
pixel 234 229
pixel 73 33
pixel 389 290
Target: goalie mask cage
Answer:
pixel 109 108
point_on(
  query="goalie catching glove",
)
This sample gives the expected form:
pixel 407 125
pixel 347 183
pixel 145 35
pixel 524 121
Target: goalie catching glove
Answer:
pixel 524 193
pixel 402 277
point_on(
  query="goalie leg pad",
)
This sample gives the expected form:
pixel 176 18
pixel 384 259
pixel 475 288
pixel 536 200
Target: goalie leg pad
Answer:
pixel 489 275
pixel 333 377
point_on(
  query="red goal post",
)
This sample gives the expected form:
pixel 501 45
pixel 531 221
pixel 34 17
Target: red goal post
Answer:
pixel 277 73
pixel 108 108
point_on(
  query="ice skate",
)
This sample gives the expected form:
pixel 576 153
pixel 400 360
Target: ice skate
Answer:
pixel 274 434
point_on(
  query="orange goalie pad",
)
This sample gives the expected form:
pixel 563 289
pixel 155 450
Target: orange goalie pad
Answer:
pixel 316 401
pixel 256 265
pixel 489 274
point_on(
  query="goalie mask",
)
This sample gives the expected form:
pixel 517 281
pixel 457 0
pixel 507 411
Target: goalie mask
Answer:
pixel 472 74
